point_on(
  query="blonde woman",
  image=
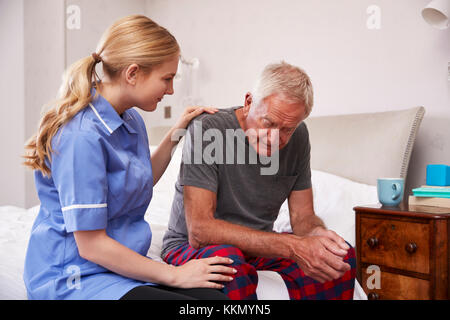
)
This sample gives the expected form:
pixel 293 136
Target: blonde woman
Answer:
pixel 94 176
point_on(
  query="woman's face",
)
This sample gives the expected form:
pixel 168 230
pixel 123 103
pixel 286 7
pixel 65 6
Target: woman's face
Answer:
pixel 151 88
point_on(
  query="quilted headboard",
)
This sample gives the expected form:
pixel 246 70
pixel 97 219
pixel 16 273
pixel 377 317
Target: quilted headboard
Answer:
pixel 360 147
pixel 364 147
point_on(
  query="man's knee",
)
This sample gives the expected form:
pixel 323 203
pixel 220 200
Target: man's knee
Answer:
pixel 243 286
pixel 229 251
pixel 243 268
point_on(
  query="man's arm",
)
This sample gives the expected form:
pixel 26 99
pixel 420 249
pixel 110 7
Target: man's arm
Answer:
pixel 304 222
pixel 301 211
pixel 312 253
pixel 204 229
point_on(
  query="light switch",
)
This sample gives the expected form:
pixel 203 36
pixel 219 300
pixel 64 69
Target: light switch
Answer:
pixel 448 70
pixel 167 112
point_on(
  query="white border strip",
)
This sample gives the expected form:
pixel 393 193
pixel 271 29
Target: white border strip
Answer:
pixel 100 118
pixel 85 206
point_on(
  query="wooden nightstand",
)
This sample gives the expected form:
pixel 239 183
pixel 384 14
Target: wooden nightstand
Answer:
pixel 410 248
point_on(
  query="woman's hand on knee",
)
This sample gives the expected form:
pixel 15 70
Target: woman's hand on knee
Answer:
pixel 204 273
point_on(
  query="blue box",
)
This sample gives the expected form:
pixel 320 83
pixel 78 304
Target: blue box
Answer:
pixel 438 175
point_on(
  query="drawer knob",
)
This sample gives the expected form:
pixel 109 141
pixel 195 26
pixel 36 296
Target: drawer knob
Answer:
pixel 373 296
pixel 411 247
pixel 372 242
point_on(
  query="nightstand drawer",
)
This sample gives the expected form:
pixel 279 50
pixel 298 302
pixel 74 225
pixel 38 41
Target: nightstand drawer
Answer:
pixel 396 244
pixel 396 286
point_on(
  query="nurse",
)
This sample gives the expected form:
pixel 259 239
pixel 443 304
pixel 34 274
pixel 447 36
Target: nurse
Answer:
pixel 94 176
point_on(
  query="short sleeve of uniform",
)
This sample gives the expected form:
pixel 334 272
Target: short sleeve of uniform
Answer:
pixel 303 167
pixel 78 170
pixel 194 170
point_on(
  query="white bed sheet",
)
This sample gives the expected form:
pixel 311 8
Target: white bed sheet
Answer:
pixel 15 227
pixel 334 199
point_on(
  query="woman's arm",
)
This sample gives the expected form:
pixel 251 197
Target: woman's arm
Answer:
pixel 97 247
pixel 162 155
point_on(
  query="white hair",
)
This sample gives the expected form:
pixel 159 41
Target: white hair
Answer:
pixel 287 80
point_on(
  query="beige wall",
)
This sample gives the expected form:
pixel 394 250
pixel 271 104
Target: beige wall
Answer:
pixel 96 16
pixel 12 175
pixel 44 65
pixel 39 46
pixel 32 33
pixel 354 69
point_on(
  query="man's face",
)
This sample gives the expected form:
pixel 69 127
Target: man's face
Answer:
pixel 272 122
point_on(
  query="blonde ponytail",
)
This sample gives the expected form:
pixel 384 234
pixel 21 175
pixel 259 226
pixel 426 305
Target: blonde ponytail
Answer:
pixel 133 39
pixel 74 95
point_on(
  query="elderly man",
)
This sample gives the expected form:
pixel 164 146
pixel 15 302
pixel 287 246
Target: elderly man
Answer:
pixel 226 205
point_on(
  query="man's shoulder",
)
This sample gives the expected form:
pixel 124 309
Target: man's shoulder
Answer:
pixel 222 119
pixel 299 140
pixel 302 128
pixel 301 133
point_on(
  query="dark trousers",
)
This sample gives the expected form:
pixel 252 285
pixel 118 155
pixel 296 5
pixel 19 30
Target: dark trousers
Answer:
pixel 169 293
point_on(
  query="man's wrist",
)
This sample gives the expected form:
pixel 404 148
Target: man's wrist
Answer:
pixel 294 244
pixel 317 231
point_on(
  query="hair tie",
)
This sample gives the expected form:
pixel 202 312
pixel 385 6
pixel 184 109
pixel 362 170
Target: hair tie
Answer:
pixel 96 57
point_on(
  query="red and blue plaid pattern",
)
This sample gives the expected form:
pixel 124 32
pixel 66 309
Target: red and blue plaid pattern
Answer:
pixel 243 287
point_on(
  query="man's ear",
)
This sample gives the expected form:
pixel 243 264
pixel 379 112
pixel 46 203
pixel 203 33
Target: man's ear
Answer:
pixel 247 103
pixel 131 74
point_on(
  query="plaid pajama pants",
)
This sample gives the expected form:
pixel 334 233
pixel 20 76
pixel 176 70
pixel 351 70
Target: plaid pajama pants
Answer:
pixel 246 279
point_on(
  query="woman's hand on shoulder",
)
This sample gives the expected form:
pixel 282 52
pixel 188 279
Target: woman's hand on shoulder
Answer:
pixel 192 112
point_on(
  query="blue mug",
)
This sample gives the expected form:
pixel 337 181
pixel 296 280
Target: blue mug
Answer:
pixel 390 191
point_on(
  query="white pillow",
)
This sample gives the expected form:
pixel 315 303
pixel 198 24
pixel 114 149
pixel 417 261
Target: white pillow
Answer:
pixel 15 228
pixel 163 192
pixel 334 200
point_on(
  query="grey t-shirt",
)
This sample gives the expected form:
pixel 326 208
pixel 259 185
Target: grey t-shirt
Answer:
pixel 218 157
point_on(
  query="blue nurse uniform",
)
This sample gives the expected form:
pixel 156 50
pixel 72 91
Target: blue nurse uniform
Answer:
pixel 101 178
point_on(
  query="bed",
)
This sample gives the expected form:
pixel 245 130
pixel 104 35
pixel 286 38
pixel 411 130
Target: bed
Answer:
pixel 348 153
